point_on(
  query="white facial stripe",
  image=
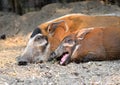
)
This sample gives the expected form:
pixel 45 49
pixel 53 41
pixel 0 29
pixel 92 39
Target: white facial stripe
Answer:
pixel 75 49
pixel 43 43
pixel 69 45
pixel 32 39
pixel 39 34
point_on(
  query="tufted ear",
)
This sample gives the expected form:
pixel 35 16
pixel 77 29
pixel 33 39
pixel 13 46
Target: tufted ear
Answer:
pixel 52 27
pixel 81 34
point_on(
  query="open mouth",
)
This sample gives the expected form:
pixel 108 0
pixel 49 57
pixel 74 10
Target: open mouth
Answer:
pixel 64 58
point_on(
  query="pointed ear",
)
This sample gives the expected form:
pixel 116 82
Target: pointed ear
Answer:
pixel 52 27
pixel 83 32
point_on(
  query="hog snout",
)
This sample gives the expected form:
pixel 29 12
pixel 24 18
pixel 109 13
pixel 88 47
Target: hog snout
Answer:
pixel 52 56
pixel 22 61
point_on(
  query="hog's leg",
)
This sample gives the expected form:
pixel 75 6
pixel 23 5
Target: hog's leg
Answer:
pixel 91 56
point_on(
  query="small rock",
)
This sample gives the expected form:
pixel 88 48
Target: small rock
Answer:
pixel 48 75
pixel 75 73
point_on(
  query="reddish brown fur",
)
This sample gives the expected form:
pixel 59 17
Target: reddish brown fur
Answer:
pixel 76 22
pixel 54 32
pixel 102 43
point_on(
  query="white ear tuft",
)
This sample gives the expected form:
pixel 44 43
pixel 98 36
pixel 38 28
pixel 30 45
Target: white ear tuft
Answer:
pixel 56 23
pixel 81 34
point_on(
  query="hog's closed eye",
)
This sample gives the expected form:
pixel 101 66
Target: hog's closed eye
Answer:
pixel 38 38
pixel 70 41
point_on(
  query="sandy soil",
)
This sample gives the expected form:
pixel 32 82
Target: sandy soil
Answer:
pixel 18 28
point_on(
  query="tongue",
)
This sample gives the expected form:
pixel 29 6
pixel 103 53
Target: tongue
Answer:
pixel 63 59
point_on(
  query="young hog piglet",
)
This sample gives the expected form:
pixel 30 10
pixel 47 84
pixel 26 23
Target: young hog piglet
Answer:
pixel 89 45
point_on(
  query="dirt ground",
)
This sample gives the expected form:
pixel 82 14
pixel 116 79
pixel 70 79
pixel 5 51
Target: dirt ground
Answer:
pixel 18 28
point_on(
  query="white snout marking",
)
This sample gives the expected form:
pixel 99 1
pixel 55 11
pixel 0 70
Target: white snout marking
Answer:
pixel 69 45
pixel 43 43
pixel 80 38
